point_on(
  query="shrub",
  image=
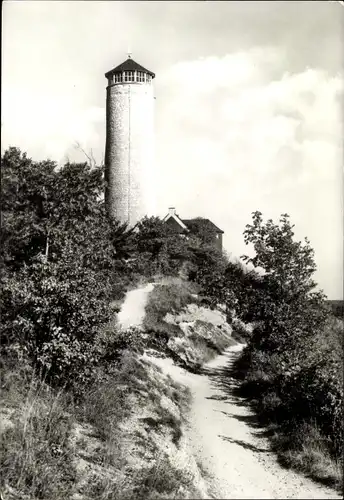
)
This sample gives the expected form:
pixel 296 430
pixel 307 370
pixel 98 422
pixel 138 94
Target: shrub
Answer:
pixel 61 256
pixel 241 331
pixel 292 366
pixel 54 320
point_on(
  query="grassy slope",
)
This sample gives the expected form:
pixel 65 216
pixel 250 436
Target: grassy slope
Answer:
pixel 112 445
pixel 124 440
pixel 179 327
pixel 125 437
pixel 36 459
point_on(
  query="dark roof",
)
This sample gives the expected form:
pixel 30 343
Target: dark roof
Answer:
pixel 129 65
pixel 205 222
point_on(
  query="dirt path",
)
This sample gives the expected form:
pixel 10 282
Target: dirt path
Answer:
pixel 226 439
pixel 133 309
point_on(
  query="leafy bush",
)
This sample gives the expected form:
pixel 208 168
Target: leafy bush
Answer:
pixel 54 320
pixel 241 332
pixel 61 256
pixel 158 249
pixel 292 366
pixel 64 262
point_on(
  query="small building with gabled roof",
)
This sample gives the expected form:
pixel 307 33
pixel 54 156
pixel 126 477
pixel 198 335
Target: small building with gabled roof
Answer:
pixel 193 226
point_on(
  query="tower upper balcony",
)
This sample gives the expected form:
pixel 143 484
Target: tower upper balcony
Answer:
pixel 129 72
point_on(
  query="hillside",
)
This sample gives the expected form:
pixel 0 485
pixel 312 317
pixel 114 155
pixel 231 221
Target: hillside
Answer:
pixel 97 315
pixel 127 437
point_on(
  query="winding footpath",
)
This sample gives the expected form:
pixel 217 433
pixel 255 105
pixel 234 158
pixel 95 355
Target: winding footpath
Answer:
pixel 225 437
pixel 133 309
pixel 223 432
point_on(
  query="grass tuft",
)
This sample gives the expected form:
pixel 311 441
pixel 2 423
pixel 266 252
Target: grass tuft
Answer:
pixel 307 450
pixel 36 458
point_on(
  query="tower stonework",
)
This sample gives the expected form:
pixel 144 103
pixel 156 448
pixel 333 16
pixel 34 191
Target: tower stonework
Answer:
pixel 129 149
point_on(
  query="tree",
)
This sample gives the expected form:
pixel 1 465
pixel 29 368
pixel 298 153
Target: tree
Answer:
pixel 42 203
pixel 285 300
pixel 60 253
pixel 203 230
pixel 159 249
pixel 45 207
pixel 293 360
pixel 151 236
pixel 244 285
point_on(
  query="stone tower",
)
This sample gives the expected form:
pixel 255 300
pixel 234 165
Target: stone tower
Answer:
pixel 129 149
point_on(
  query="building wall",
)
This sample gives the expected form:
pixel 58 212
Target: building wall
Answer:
pixel 216 241
pixel 129 151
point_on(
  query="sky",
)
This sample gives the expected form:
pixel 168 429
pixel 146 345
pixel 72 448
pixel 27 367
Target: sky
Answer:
pixel 249 99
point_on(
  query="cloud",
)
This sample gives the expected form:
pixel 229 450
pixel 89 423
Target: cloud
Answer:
pixel 253 129
pixel 237 139
pixel 47 124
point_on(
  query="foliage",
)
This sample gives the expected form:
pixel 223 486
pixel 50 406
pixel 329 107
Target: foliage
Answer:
pixel 202 230
pixel 61 255
pixel 285 300
pixel 337 307
pixel 46 209
pixel 53 320
pixel 48 438
pixel 292 366
pixel 158 249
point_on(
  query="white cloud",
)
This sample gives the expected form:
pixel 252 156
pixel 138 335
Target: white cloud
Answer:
pixel 231 71
pixel 237 139
pixel 47 124
pixel 234 133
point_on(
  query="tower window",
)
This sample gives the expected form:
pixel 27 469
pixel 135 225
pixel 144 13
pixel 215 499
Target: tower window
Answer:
pixel 128 76
pixel 118 77
pixel 140 76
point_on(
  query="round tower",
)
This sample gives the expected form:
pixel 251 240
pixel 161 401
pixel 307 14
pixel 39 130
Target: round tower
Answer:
pixel 129 149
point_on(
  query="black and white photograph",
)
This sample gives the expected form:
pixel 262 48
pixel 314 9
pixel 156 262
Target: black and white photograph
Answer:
pixel 172 287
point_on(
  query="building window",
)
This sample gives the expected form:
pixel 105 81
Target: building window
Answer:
pixel 131 76
pixel 128 76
